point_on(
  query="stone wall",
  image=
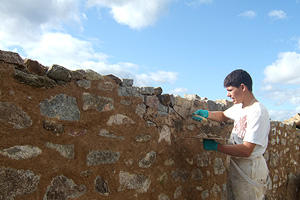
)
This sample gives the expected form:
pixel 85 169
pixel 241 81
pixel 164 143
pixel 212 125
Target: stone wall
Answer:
pixel 80 135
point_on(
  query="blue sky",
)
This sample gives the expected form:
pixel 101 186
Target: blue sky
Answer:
pixel 183 46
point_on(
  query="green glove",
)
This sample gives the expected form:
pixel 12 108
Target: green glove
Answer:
pixel 210 145
pixel 202 113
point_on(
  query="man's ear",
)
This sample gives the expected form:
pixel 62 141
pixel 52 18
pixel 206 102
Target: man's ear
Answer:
pixel 244 87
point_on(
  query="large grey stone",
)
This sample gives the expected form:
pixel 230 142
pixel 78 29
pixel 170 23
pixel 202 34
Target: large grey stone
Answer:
pixel 62 107
pixel 102 157
pixel 13 114
pixel 129 91
pixel 127 83
pixel 63 188
pixel 21 152
pixel 15 183
pixel 95 102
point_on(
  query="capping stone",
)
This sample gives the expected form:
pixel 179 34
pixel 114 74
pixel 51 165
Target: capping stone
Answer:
pixel 59 73
pixel 11 57
pixel 33 80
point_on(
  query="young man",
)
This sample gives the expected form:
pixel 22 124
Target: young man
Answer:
pixel 248 171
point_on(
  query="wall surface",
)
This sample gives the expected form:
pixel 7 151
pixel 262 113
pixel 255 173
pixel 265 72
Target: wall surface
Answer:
pixel 80 135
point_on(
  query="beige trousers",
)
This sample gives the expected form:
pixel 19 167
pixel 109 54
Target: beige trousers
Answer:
pixel 239 188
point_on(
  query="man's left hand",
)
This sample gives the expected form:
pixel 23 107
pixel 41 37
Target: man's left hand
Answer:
pixel 210 145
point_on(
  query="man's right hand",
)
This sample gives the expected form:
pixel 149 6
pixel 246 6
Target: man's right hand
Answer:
pixel 201 114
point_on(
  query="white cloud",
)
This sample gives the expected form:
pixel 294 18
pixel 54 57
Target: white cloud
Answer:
pixel 281 115
pixel 137 14
pixel 277 14
pixel 23 22
pixel 178 91
pixel 36 30
pixel 250 14
pixel 63 49
pixel 285 70
pixel 155 77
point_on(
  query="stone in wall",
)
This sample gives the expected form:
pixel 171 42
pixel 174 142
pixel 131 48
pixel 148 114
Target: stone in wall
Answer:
pixel 219 168
pixel 181 175
pixel 11 57
pixel 114 78
pixel 63 188
pixel 120 119
pixel 13 114
pixel 163 197
pixel 92 75
pixel 202 159
pixel 129 91
pixel 197 174
pixel 147 90
pixel 105 133
pixel 163 178
pixel 34 80
pixel 101 186
pixel 66 151
pixel 165 134
pixel 178 192
pixel 21 152
pixel 86 84
pixel 102 157
pixel 15 183
pixel 35 67
pixel 138 182
pixel 62 107
pixel 106 86
pixel 59 73
pixel 140 110
pixel 127 82
pixel 143 138
pixel 53 126
pixel 95 102
pixel 148 160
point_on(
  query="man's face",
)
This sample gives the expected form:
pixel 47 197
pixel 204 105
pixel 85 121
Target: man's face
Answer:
pixel 235 93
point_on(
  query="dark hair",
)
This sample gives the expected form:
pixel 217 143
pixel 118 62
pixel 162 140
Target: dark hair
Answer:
pixel 237 77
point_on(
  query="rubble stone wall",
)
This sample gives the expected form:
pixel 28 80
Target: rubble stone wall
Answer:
pixel 80 135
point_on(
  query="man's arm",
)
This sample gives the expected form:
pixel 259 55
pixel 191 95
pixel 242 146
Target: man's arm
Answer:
pixel 217 116
pixel 238 150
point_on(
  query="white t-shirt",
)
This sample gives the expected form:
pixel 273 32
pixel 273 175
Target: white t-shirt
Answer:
pixel 251 124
